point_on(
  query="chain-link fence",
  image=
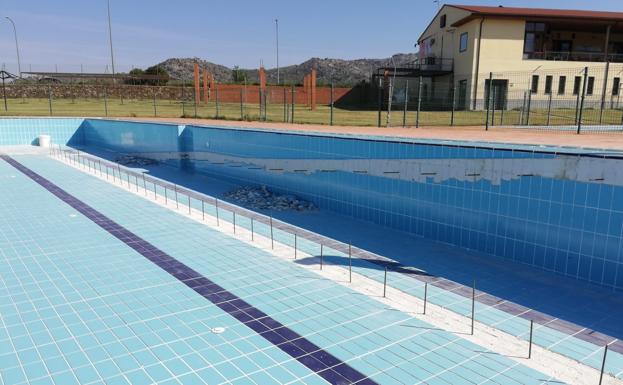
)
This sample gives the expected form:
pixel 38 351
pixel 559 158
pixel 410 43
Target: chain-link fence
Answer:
pixel 575 100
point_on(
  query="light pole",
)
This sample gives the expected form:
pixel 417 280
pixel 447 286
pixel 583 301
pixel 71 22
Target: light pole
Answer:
pixel 112 56
pixel 277 44
pixel 19 64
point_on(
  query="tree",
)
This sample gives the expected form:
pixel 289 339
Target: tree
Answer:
pixel 136 74
pixel 238 75
pixel 140 77
pixel 157 71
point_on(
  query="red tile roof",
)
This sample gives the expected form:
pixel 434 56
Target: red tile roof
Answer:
pixel 477 10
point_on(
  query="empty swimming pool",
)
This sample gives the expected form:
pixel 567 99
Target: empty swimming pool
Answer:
pixel 134 279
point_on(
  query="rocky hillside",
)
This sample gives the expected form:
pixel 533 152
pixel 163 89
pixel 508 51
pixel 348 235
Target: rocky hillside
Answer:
pixel 338 71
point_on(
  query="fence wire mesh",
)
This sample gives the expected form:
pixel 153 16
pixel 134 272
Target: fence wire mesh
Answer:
pixel 586 99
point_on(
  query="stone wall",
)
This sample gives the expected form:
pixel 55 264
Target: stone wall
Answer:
pixel 227 93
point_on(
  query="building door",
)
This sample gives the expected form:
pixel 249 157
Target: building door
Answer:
pixel 499 89
pixel 462 95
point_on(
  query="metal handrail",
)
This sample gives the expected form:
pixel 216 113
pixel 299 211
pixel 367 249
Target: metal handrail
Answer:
pixel 575 56
pixel 76 157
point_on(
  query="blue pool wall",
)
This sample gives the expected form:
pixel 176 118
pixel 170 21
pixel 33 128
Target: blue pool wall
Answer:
pixel 569 227
pixel 25 131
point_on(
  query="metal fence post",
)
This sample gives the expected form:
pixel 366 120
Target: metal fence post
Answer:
pixel 203 213
pixel 528 108
pixel 260 101
pixel 295 244
pixel 406 105
pixel 183 98
pixel 50 99
pixel 6 106
pixel 379 103
pixel 453 105
pixel 292 107
pixel 493 108
pixel 419 103
pixel 549 108
pixel 331 113
pixel 105 102
pixel 154 102
pixel 488 101
pixel 580 113
pixel 241 105
pixel 195 103
pixel 217 101
pixel 603 91
pixel 234 221
pixel 321 255
pixel 252 232
pixel 523 107
pixel 285 104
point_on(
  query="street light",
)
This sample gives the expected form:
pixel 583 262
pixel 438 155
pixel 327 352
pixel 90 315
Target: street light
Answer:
pixel 19 65
pixel 277 43
pixel 112 57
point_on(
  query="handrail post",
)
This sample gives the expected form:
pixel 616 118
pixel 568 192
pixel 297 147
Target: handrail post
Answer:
pixel 473 305
pixel 603 365
pixel 425 296
pixel 530 339
pixel 385 283
pixel 350 264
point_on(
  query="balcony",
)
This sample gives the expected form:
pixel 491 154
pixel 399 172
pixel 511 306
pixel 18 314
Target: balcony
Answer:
pixel 430 66
pixel 574 56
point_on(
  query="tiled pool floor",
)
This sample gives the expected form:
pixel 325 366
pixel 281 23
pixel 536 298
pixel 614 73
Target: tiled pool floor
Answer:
pixel 572 311
pixel 584 304
pixel 79 305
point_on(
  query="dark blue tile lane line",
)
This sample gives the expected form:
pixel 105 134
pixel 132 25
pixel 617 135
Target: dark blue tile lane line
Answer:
pixel 323 363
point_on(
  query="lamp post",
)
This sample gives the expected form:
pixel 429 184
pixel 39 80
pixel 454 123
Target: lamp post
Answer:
pixel 19 64
pixel 112 56
pixel 277 45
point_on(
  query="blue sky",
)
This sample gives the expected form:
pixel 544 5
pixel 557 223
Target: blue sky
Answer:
pixel 68 33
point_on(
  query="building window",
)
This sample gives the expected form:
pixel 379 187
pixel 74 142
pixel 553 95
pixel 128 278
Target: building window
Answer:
pixel 534 87
pixel 442 21
pixel 463 42
pixel 534 37
pixel 591 85
pixel 548 84
pixel 562 83
pixel 616 86
pixel 576 85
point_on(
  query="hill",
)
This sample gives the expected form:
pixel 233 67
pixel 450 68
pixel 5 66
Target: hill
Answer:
pixel 339 71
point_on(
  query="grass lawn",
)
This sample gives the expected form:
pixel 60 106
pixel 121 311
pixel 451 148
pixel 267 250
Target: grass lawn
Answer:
pixel 302 114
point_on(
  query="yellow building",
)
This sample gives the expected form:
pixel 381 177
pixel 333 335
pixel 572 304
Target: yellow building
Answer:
pixel 538 53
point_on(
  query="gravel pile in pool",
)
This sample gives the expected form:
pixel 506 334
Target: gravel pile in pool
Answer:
pixel 260 198
pixel 135 161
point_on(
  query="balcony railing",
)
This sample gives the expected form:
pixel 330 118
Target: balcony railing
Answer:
pixel 574 56
pixel 432 64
